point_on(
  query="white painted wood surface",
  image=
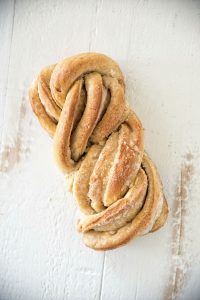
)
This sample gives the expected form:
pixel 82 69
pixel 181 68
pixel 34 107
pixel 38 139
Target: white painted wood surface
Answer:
pixel 157 44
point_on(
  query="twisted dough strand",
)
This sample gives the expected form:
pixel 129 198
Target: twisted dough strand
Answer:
pixel 99 145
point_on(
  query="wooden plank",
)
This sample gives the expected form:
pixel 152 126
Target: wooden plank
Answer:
pixel 162 79
pixel 35 207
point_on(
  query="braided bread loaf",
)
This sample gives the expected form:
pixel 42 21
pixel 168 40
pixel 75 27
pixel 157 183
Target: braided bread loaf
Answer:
pixel 99 145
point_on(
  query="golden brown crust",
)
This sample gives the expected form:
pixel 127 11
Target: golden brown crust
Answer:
pixel 162 218
pixel 70 69
pixel 99 145
pixel 141 224
pixel 45 120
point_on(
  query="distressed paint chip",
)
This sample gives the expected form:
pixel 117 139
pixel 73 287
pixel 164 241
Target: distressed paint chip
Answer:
pixel 180 263
pixel 11 155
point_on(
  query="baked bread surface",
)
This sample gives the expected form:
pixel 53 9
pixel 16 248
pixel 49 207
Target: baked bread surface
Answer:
pixel 98 143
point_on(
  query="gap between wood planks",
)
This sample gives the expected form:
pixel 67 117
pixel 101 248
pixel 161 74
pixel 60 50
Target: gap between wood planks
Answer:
pixel 102 276
pixel 7 71
pixel 99 4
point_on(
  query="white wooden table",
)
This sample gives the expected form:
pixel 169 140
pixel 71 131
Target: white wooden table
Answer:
pixel 157 44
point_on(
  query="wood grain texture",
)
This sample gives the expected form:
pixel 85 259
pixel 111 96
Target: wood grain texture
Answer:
pixel 157 44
